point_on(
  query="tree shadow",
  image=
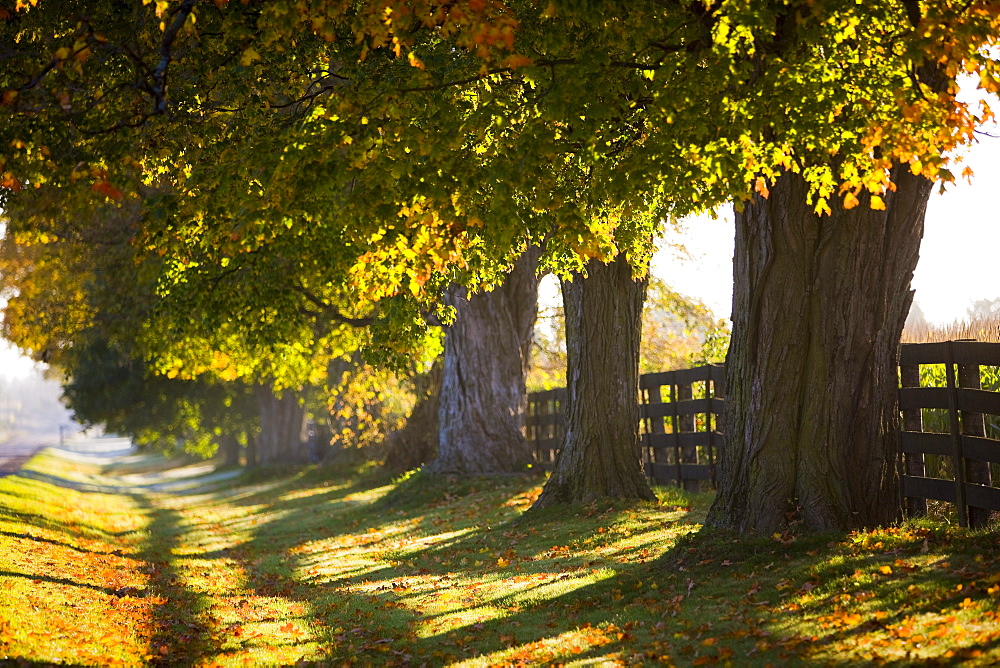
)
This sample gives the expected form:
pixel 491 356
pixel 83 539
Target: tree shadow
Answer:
pixel 384 622
pixel 59 581
pixel 59 543
pixel 179 633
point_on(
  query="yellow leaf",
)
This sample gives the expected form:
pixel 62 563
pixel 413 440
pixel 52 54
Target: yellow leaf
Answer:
pixel 850 201
pixel 415 62
pixel 249 56
pixel 877 203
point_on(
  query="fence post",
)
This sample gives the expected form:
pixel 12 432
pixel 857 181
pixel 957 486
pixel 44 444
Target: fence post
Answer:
pixel 973 424
pixel 689 453
pixel 709 431
pixel 913 420
pixel 646 451
pixel 958 456
pixel 675 427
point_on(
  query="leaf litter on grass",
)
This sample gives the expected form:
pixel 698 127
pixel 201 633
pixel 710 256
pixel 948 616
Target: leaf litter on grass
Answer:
pixel 343 566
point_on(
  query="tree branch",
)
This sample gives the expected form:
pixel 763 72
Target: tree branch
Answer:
pixel 160 73
pixel 329 311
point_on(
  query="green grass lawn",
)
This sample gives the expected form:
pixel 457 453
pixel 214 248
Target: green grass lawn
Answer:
pixel 342 565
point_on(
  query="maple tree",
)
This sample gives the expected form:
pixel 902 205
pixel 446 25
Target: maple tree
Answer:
pixel 431 141
pixel 81 301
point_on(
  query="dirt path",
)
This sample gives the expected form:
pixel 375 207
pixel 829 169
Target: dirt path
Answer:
pixel 15 451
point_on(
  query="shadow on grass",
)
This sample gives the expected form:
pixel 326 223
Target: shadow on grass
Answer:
pixel 179 634
pixel 55 580
pixel 378 625
pixel 59 543
pixel 710 597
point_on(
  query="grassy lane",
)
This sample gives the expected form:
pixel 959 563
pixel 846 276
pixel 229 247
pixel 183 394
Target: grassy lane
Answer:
pixel 70 571
pixel 341 565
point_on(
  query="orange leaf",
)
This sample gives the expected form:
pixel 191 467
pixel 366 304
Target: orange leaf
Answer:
pixel 106 189
pixel 761 187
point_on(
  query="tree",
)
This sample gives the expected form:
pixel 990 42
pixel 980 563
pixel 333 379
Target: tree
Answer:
pixel 600 453
pixel 984 309
pixel 820 446
pixel 477 127
pixel 483 399
pixel 416 443
pixel 79 300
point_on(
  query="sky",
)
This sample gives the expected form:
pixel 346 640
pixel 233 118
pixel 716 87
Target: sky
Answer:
pixel 959 258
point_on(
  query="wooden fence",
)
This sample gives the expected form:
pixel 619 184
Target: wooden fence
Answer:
pixel 682 434
pixel 953 465
pixel 680 425
pixel 545 424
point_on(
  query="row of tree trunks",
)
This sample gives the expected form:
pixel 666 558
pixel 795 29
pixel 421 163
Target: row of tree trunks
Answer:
pixel 819 306
pixel 281 439
pixel 818 310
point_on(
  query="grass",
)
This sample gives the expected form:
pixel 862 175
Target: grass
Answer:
pixel 342 565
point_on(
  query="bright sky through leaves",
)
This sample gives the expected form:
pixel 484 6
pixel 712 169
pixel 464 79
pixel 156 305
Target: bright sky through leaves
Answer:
pixel 958 256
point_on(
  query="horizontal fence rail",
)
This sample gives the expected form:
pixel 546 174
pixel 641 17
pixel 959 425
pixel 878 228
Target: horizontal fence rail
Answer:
pixel 680 424
pixel 682 433
pixel 952 464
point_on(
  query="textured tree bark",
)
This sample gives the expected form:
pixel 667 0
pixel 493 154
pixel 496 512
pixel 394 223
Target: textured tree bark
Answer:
pixel 417 442
pixel 599 458
pixel 818 309
pixel 282 422
pixel 483 399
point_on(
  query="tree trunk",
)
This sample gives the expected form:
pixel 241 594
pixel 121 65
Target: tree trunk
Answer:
pixel 818 309
pixel 229 447
pixel 483 398
pixel 251 458
pixel 282 422
pixel 599 458
pixel 417 442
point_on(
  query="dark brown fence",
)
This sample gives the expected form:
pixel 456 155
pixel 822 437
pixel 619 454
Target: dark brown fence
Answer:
pixel 545 424
pixel 945 450
pixel 680 425
pixel 952 463
pixel 680 422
